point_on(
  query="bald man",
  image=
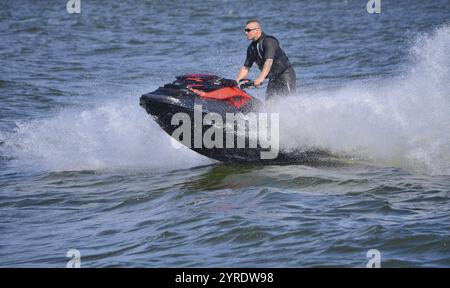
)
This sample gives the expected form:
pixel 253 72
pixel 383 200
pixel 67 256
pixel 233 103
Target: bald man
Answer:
pixel 265 50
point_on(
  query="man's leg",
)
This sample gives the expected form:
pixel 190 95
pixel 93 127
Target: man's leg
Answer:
pixel 282 85
pixel 272 89
pixel 290 80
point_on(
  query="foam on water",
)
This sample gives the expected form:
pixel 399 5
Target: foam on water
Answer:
pixel 114 135
pixel 403 121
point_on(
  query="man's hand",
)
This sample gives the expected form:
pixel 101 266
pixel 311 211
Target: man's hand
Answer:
pixel 242 73
pixel 257 82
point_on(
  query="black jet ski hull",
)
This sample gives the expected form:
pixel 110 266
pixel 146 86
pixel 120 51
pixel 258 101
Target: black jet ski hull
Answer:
pixel 163 111
pixel 163 103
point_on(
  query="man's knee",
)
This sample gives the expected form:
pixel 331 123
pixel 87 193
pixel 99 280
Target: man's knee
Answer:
pixel 285 84
pixel 291 81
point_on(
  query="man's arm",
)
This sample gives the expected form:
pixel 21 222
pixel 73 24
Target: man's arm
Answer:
pixel 242 73
pixel 270 47
pixel 264 72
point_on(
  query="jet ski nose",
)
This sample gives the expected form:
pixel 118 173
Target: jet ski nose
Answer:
pixel 147 101
pixel 142 102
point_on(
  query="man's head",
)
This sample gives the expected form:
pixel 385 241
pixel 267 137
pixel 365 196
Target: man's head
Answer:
pixel 253 30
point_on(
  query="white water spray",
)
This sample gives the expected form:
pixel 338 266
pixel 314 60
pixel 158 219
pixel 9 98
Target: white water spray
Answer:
pixel 401 122
pixel 114 135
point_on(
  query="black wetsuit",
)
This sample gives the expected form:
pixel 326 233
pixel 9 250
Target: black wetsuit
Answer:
pixel 281 75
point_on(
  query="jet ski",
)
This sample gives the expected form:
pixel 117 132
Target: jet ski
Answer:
pixel 190 98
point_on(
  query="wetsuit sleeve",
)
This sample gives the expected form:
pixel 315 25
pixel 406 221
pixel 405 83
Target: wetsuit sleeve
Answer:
pixel 270 47
pixel 249 59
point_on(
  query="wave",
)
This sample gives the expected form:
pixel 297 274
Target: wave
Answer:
pixel 403 121
pixel 114 135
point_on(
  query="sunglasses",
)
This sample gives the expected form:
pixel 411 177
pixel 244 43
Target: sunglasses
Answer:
pixel 248 30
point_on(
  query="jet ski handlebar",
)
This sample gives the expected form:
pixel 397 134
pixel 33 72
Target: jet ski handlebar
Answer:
pixel 246 83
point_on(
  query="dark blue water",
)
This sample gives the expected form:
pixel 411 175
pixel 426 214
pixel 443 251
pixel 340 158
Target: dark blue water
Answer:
pixel 82 166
